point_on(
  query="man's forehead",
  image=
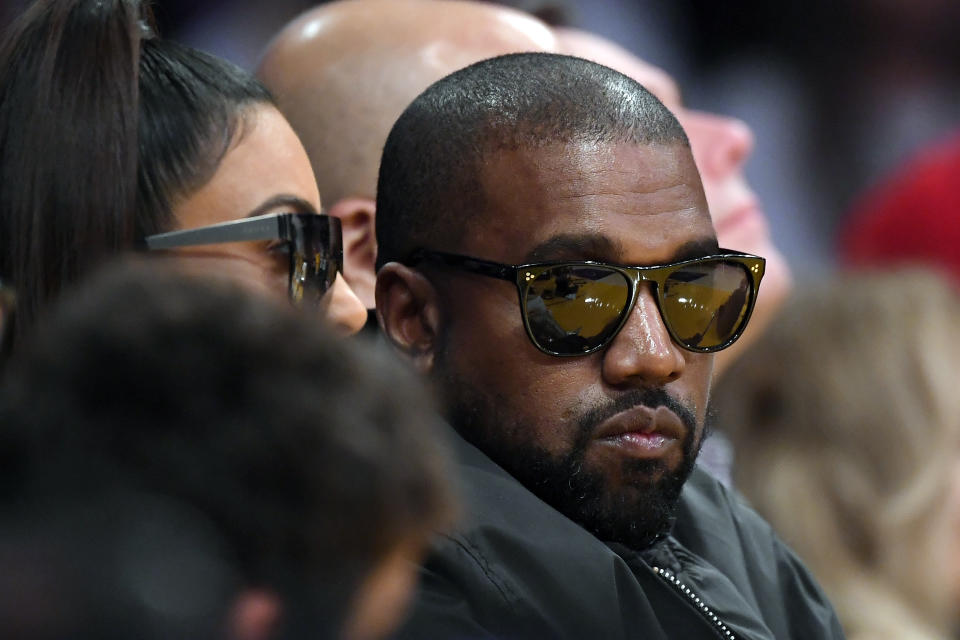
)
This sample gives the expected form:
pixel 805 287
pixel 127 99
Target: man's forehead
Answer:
pixel 654 174
pixel 595 200
pixel 603 248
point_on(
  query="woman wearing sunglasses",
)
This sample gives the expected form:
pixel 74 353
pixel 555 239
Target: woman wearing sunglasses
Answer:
pixel 113 139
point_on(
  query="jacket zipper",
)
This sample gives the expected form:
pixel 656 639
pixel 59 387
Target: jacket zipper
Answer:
pixel 697 601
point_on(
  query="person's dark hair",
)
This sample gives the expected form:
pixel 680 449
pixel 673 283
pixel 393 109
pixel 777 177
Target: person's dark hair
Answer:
pixel 429 187
pixel 103 126
pixel 312 457
pixel 113 565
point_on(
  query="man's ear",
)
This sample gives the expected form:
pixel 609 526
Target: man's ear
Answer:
pixel 359 245
pixel 408 312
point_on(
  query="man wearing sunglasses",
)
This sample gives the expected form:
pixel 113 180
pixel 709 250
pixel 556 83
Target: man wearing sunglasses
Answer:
pixel 547 259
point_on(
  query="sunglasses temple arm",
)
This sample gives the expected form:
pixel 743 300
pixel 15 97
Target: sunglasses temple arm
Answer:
pixel 473 265
pixel 493 269
pixel 267 227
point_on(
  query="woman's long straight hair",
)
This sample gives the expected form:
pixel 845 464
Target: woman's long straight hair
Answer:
pixel 103 128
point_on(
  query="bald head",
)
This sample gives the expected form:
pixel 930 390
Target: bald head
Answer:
pixel 344 72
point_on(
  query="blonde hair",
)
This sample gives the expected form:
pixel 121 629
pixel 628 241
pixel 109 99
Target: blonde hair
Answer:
pixel 845 420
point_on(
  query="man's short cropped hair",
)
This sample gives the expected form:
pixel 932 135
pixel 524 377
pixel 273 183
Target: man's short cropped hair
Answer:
pixel 429 186
pixel 312 457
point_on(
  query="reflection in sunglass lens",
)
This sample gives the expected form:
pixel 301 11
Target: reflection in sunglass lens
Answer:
pixel 316 258
pixel 311 276
pixel 705 304
pixel 573 309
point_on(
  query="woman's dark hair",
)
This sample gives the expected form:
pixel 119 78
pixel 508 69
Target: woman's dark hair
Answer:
pixel 103 127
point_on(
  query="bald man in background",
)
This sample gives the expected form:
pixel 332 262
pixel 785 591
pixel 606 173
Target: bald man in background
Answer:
pixel 342 74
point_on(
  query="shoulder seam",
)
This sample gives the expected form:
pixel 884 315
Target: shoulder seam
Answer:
pixel 508 595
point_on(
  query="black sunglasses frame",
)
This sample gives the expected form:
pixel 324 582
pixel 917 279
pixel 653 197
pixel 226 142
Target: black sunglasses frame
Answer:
pixel 310 269
pixel 656 274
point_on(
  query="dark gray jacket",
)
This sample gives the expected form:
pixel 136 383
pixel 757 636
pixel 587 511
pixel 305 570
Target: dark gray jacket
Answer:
pixel 517 568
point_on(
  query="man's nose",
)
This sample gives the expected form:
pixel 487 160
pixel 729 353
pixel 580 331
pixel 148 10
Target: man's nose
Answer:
pixel 720 144
pixel 643 354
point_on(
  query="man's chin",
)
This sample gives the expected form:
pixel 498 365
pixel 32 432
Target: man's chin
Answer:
pixel 637 509
pixel 626 499
pixel 633 506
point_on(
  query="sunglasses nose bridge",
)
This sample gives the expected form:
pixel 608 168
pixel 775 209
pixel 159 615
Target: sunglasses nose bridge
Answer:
pixel 647 281
pixel 643 351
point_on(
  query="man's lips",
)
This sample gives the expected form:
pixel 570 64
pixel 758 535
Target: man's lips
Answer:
pixel 642 432
pixel 645 421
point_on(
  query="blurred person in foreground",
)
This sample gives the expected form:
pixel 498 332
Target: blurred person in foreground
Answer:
pixel 910 218
pixel 113 139
pixel 852 452
pixel 548 262
pixel 343 72
pixel 208 462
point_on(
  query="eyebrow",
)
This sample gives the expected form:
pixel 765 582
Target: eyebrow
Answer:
pixel 696 249
pixel 283 200
pixel 564 246
pixel 602 248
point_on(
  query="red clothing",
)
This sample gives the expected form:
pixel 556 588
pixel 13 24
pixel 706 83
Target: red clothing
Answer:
pixel 912 217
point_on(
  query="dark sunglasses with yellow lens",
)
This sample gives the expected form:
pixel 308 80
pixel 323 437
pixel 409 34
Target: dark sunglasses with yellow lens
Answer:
pixel 316 246
pixel 578 307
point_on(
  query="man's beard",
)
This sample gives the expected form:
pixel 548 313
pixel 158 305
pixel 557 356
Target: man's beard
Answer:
pixel 637 514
